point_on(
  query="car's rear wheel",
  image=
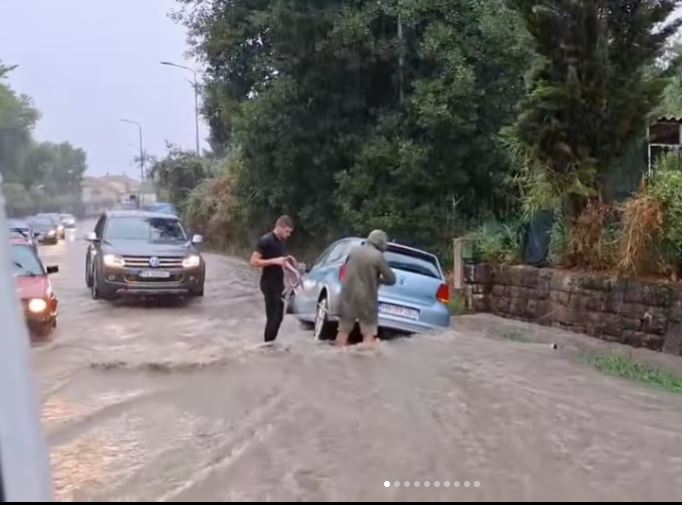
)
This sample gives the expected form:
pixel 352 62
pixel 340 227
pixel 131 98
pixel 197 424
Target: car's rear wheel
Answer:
pixel 324 329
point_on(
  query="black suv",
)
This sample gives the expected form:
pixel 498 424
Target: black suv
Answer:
pixel 142 253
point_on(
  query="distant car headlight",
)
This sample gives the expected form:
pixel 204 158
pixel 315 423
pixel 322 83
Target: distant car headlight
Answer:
pixel 37 305
pixel 113 260
pixel 191 261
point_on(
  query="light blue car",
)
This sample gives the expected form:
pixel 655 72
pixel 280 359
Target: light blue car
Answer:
pixel 417 302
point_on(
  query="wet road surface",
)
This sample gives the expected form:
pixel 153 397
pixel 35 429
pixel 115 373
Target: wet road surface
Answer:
pixel 148 402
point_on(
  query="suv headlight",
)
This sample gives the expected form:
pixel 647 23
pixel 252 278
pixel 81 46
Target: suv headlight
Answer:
pixel 191 261
pixel 113 260
pixel 37 305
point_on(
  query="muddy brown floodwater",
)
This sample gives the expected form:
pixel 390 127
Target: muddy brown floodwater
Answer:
pixel 149 402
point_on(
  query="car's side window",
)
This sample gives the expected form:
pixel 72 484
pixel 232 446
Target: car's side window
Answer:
pixel 323 257
pixel 337 253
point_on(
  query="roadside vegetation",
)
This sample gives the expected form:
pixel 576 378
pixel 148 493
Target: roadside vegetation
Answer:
pixel 436 119
pixel 623 365
pixel 36 176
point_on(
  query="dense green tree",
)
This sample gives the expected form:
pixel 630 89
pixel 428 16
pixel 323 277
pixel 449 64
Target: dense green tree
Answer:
pixel 591 92
pixel 356 113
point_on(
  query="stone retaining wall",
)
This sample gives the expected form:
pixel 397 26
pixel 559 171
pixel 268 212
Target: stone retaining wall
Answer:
pixel 632 312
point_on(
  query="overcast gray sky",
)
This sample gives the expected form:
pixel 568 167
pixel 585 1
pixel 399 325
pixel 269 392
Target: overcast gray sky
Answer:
pixel 88 63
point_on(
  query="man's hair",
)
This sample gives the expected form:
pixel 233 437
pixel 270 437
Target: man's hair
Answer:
pixel 284 222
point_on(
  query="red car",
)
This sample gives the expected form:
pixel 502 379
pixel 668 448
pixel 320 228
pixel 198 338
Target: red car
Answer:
pixel 34 287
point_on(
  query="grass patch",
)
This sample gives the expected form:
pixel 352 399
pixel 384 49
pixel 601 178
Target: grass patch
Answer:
pixel 623 365
pixel 515 336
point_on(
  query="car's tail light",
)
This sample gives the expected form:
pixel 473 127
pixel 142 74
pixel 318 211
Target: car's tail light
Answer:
pixel 443 294
pixel 342 272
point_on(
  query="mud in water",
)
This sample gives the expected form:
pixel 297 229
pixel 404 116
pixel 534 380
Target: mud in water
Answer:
pixel 181 401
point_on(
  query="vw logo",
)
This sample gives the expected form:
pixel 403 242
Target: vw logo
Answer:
pixel 154 262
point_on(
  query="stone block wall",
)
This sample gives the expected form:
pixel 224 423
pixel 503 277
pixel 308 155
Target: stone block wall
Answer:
pixel 629 311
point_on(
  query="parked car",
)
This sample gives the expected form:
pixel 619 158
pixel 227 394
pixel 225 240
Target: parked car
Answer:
pixel 143 253
pixel 18 228
pixel 56 220
pixel 68 220
pixel 163 208
pixel 45 230
pixel 35 290
pixel 417 302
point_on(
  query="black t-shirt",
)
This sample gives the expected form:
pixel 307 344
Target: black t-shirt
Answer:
pixel 269 247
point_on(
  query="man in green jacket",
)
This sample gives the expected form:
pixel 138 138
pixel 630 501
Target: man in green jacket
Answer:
pixel 366 270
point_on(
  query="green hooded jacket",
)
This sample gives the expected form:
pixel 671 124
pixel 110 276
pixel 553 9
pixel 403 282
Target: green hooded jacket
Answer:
pixel 366 270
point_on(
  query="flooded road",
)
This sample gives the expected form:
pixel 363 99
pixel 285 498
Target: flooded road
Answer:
pixel 177 403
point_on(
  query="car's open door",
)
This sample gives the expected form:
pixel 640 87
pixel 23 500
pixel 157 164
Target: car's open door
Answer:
pixel 24 458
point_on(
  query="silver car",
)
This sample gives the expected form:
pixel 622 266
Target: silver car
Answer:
pixel 416 303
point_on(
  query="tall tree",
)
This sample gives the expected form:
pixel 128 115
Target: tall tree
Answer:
pixel 591 91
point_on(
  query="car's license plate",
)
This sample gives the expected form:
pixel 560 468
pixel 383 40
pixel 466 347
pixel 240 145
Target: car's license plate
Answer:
pixel 154 274
pixel 397 310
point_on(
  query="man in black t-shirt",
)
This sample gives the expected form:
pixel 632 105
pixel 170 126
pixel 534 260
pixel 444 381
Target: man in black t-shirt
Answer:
pixel 270 255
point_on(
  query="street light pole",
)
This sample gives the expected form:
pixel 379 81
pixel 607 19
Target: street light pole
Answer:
pixel 195 84
pixel 142 177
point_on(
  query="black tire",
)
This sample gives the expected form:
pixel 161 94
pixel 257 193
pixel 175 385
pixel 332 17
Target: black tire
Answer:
pixel 198 293
pixel 43 330
pixel 88 276
pixel 98 291
pixel 323 329
pixel 94 286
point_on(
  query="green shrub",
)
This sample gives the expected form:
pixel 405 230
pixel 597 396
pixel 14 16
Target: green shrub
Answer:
pixel 666 187
pixel 559 240
pixel 496 243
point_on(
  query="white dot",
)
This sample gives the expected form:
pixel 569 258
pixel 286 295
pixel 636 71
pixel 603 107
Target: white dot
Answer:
pixel 396 483
pixel 477 484
pixel 387 484
pixel 427 484
pixel 446 483
pixel 467 484
pixel 436 484
pixel 407 483
pixel 456 483
pixel 417 483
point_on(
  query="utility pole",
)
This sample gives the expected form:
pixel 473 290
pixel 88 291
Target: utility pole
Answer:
pixel 195 85
pixel 142 175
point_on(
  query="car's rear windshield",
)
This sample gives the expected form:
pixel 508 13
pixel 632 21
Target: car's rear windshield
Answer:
pixel 25 261
pixel 151 229
pixel 408 260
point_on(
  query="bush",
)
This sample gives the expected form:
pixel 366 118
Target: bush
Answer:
pixel 642 230
pixel 665 187
pixel 496 243
pixel 594 237
pixel 559 240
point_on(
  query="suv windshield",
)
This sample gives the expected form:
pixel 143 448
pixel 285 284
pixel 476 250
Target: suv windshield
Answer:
pixel 25 261
pixel 42 224
pixel 151 229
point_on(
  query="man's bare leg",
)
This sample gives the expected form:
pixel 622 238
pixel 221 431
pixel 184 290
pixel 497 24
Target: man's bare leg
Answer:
pixel 369 337
pixel 342 339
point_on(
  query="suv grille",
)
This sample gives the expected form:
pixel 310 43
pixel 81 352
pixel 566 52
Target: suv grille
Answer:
pixel 143 261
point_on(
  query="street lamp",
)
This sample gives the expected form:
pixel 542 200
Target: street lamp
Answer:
pixel 139 126
pixel 196 100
